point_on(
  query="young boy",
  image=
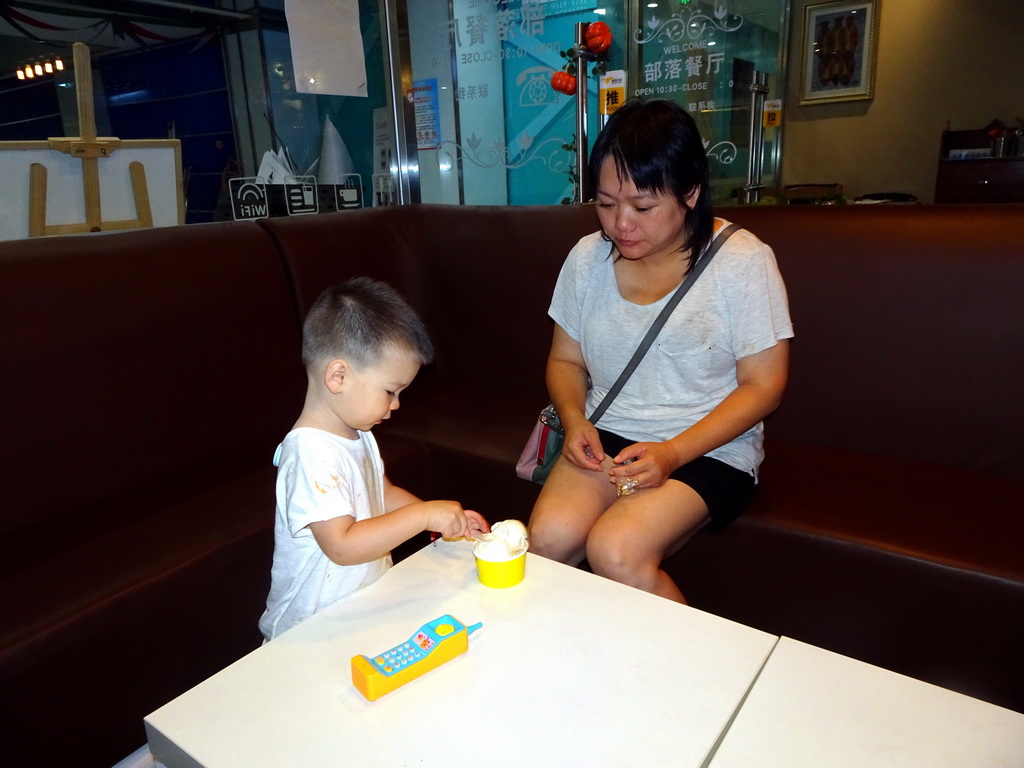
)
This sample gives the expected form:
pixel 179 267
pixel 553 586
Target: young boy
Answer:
pixel 338 516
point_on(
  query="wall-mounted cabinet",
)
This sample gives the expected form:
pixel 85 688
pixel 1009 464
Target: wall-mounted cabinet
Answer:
pixel 996 180
pixel 969 173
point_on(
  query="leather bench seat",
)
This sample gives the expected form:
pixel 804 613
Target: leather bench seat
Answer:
pixel 125 617
pixel 148 376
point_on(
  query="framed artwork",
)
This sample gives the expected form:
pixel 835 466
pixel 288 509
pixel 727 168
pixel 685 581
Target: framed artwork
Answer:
pixel 839 51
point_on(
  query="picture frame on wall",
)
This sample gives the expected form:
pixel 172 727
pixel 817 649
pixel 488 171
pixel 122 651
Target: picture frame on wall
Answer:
pixel 840 39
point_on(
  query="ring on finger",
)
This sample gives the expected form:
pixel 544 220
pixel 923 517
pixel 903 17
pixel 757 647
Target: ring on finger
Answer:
pixel 626 488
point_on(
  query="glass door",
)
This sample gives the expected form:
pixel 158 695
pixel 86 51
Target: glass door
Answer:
pixel 489 128
pixel 706 57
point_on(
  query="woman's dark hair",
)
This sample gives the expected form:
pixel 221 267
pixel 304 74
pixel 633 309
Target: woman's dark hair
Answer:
pixel 657 146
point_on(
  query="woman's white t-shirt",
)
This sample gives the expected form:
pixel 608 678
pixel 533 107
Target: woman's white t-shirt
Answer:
pixel 736 308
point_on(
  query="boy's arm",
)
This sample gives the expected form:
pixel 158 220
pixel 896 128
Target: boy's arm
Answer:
pixel 348 542
pixel 395 497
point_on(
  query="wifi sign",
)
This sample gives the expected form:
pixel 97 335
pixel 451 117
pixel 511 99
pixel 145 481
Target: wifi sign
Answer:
pixel 248 199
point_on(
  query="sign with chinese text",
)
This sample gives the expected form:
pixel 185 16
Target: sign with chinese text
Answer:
pixel 428 117
pixel 772 113
pixel 612 91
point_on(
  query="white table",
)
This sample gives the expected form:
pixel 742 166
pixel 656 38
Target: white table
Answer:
pixel 568 669
pixel 816 709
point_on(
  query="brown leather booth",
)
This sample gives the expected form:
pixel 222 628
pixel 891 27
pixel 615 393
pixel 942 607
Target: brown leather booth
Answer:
pixel 148 376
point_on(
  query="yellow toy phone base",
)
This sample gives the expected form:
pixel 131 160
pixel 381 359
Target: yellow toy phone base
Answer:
pixel 435 643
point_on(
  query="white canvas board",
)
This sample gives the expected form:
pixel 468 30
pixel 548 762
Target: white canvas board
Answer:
pixel 65 193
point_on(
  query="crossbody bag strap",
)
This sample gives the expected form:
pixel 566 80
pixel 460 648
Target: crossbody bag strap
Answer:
pixel 662 318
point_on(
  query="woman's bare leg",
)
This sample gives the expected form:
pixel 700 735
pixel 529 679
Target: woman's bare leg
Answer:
pixel 636 533
pixel 570 503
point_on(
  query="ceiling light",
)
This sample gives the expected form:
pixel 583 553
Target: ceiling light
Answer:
pixel 39 68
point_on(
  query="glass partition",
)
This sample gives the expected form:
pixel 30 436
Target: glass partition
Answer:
pixel 310 127
pixel 459 106
pixel 490 129
pixel 705 56
pixel 477 121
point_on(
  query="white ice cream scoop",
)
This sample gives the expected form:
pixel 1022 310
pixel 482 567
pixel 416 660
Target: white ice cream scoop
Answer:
pixel 513 533
pixel 493 549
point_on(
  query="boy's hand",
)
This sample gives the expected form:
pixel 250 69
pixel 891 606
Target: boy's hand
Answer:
pixel 477 524
pixel 452 521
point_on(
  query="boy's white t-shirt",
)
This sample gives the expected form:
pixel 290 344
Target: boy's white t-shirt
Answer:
pixel 320 476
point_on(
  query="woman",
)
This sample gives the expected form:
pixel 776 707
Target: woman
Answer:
pixel 681 443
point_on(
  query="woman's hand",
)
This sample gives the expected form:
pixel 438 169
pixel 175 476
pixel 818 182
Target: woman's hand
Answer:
pixel 761 378
pixel 582 445
pixel 647 464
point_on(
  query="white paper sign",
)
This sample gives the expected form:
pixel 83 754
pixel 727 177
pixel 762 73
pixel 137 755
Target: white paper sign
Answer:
pixel 327 47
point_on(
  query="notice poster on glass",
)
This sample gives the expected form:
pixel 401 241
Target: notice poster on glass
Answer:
pixel 383 175
pixel 327 47
pixel 428 117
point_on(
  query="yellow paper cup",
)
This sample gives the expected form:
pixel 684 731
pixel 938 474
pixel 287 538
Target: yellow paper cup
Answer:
pixel 506 573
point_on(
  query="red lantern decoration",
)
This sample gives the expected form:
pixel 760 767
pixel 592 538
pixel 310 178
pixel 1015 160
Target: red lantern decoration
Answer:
pixel 563 82
pixel 598 37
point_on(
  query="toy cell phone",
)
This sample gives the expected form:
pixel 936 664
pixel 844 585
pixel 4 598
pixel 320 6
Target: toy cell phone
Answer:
pixel 431 645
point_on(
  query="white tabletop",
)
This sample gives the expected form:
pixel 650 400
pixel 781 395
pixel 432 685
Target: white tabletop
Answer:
pixel 568 669
pixel 811 707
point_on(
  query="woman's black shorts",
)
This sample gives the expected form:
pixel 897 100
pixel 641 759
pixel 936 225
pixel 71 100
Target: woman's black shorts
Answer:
pixel 725 489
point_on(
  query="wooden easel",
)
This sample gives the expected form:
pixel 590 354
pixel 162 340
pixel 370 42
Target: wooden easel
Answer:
pixel 90 149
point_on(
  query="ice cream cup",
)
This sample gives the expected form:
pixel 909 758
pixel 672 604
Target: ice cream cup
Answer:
pixel 502 573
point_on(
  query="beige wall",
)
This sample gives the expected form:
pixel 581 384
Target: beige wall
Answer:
pixel 959 62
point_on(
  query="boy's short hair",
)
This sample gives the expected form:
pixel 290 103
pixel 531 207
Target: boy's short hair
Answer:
pixel 361 320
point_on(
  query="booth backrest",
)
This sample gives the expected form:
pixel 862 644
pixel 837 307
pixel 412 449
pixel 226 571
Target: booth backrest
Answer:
pixel 323 250
pixel 489 324
pixel 853 269
pixel 888 288
pixel 191 332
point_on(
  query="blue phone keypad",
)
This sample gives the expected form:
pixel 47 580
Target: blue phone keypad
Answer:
pixel 398 658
